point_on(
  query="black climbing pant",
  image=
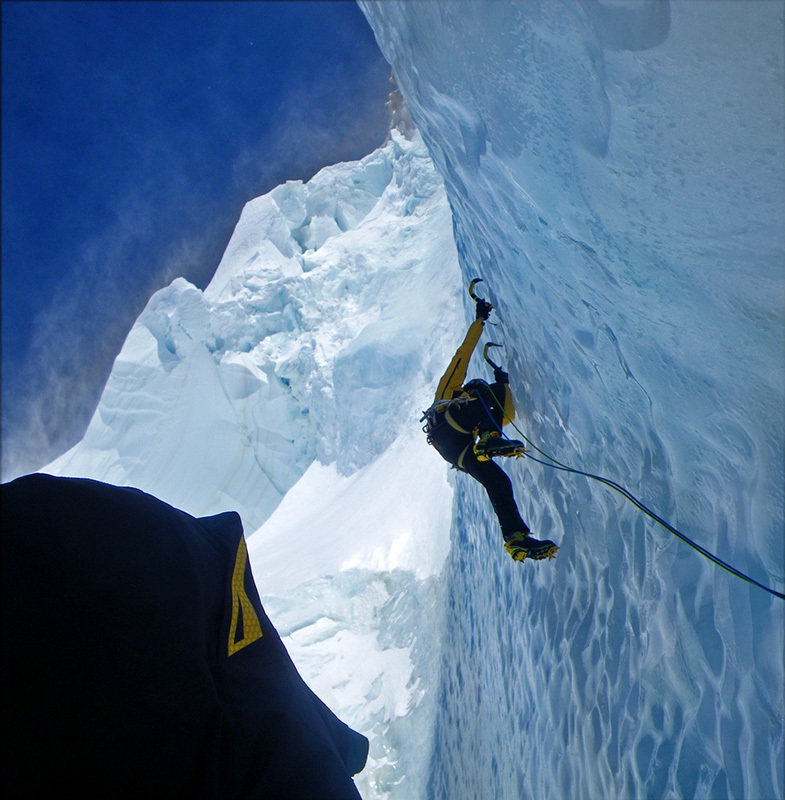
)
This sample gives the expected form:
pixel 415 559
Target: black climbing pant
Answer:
pixel 499 488
pixel 455 446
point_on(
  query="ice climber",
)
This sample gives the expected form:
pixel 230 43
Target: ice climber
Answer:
pixel 464 424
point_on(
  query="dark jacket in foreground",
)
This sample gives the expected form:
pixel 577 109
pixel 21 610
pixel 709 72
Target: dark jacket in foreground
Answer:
pixel 138 660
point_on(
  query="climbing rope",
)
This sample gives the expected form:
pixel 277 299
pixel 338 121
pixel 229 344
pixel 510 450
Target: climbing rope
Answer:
pixel 554 464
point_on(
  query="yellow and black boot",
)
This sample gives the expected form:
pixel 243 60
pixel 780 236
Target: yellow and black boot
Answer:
pixel 523 545
pixel 492 444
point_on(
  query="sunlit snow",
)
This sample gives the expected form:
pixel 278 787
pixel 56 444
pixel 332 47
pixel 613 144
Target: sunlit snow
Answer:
pixel 290 391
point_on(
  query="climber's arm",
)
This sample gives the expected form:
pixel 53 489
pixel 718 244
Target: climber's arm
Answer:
pixel 509 405
pixel 500 389
pixel 454 377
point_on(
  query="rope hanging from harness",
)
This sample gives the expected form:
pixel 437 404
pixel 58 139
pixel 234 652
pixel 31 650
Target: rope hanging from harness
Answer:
pixel 638 504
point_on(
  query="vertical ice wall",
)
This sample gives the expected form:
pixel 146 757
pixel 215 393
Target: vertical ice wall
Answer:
pixel 615 171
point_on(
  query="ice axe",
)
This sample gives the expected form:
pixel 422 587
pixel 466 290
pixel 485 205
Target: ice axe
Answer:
pixel 488 358
pixel 471 290
pixel 477 299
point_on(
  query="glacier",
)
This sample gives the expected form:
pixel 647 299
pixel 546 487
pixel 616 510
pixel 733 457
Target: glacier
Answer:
pixel 614 172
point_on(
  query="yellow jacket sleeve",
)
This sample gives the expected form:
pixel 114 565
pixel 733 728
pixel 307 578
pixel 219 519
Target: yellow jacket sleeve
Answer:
pixel 509 407
pixel 453 378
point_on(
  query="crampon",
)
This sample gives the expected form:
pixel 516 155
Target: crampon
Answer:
pixel 492 445
pixel 521 546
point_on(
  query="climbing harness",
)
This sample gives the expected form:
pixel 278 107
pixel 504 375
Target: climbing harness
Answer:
pixel 439 414
pixel 554 464
pixel 432 419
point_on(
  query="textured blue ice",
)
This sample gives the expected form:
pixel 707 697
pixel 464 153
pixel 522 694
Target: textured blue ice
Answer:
pixel 615 172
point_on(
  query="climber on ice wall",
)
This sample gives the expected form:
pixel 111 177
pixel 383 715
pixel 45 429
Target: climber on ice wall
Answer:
pixel 464 424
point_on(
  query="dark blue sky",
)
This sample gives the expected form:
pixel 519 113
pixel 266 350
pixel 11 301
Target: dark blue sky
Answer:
pixel 132 135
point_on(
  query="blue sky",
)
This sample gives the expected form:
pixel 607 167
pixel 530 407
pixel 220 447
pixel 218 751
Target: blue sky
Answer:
pixel 132 135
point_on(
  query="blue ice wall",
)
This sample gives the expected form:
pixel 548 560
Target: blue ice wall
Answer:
pixel 615 172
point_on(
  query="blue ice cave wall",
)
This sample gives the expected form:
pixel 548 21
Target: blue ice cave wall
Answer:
pixel 615 173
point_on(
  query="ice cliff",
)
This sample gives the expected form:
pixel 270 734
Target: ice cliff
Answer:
pixel 614 171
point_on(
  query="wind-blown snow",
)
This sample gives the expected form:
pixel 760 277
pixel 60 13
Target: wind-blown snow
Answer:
pixel 307 344
pixel 615 173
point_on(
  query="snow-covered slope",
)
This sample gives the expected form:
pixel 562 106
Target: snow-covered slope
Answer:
pixel 307 344
pixel 615 171
pixel 290 391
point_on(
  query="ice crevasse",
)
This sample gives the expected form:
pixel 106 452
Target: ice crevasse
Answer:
pixel 614 171
pixel 290 391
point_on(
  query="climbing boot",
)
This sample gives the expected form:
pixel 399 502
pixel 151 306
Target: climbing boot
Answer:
pixel 491 444
pixel 523 545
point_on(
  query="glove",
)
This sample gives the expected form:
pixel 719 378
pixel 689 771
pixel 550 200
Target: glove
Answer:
pixel 500 376
pixel 484 309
